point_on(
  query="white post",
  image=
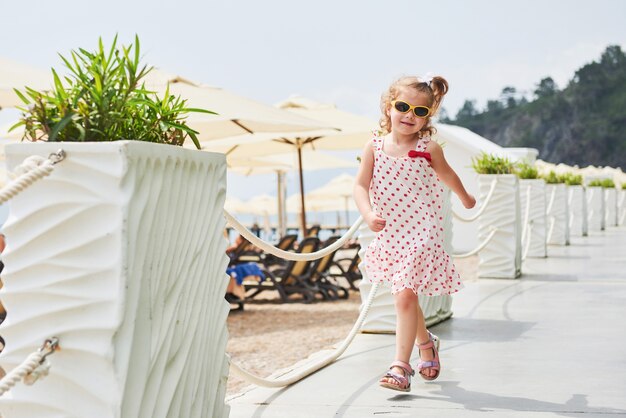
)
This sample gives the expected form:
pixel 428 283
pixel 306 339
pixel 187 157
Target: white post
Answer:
pixel 533 212
pixel 119 254
pixel 381 318
pixel 595 204
pixel 502 256
pixel 610 201
pixel 577 203
pixel 558 214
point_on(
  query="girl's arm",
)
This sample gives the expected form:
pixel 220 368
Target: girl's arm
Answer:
pixel 447 174
pixel 361 191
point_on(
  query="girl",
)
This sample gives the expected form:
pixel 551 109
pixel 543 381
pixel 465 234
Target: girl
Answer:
pixel 401 171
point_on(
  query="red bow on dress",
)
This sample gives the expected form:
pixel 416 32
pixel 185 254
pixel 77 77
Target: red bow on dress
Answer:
pixel 415 154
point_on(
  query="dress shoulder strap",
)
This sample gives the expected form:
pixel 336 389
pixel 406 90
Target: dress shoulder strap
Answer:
pixel 377 140
pixel 422 143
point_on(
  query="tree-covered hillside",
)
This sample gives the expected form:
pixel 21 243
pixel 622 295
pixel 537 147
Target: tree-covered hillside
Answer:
pixel 585 123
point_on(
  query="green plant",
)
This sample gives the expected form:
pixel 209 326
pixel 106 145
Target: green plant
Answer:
pixel 526 171
pixel 492 164
pixel 595 183
pixel 553 178
pixel 608 184
pixel 623 186
pixel 572 179
pixel 104 99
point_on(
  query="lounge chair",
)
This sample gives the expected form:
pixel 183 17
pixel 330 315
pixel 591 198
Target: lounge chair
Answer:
pixel 321 277
pixel 349 269
pixel 289 280
pixel 313 231
pixel 286 243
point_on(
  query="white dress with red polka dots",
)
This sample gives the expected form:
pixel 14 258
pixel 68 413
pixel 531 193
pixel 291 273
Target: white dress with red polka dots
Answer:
pixel 408 253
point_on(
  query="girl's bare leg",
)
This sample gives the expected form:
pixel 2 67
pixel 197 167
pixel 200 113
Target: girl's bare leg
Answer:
pixel 406 326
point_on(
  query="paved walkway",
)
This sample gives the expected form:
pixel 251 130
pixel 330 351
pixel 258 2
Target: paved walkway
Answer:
pixel 550 344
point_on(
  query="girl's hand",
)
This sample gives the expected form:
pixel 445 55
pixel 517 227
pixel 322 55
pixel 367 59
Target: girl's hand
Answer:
pixel 375 223
pixel 469 202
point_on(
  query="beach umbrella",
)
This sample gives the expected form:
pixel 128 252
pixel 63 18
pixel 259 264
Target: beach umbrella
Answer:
pixel 17 75
pixel 337 191
pixel 311 161
pixel 234 205
pixel 335 195
pixel 281 164
pixel 351 132
pixel 236 115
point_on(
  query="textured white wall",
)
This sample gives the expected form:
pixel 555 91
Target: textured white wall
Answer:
pixel 558 214
pixel 120 254
pixel 595 205
pixel 502 256
pixel 577 203
pixel 533 212
pixel 610 203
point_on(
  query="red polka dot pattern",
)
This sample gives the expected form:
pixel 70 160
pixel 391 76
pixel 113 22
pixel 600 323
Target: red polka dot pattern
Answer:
pixel 408 253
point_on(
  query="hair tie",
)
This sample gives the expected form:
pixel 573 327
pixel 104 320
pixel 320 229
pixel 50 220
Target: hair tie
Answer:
pixel 426 78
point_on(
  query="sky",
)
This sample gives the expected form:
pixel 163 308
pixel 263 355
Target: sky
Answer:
pixel 342 52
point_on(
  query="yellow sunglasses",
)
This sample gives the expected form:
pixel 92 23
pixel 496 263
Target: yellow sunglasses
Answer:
pixel 404 107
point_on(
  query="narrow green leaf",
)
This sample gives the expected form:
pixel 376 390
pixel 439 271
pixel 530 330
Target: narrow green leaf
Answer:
pixel 197 110
pixel 59 126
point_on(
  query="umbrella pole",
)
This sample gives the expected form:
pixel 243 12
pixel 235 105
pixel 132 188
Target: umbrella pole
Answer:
pixel 303 213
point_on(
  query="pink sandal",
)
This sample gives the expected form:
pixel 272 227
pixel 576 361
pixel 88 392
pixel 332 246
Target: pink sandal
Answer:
pixel 403 381
pixel 434 364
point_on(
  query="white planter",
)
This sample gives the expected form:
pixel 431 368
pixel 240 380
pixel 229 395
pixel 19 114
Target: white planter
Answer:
pixel 621 206
pixel 610 203
pixel 595 205
pixel 558 214
pixel 502 256
pixel 381 318
pixel 119 253
pixel 577 202
pixel 533 209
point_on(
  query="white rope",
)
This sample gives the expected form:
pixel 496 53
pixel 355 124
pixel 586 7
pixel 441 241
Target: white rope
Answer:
pixel 551 229
pixel 31 369
pixel 269 248
pixel 551 203
pixel 482 208
pixel 32 169
pixel 530 237
pixel 480 247
pixel 243 374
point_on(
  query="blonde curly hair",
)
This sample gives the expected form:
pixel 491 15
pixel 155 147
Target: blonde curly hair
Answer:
pixel 435 90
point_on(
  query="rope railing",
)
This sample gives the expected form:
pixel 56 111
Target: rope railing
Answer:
pixel 267 247
pixel 530 238
pixel 273 383
pixel 551 229
pixel 482 208
pixel 32 169
pixel 34 367
pixel 480 246
pixel 551 203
